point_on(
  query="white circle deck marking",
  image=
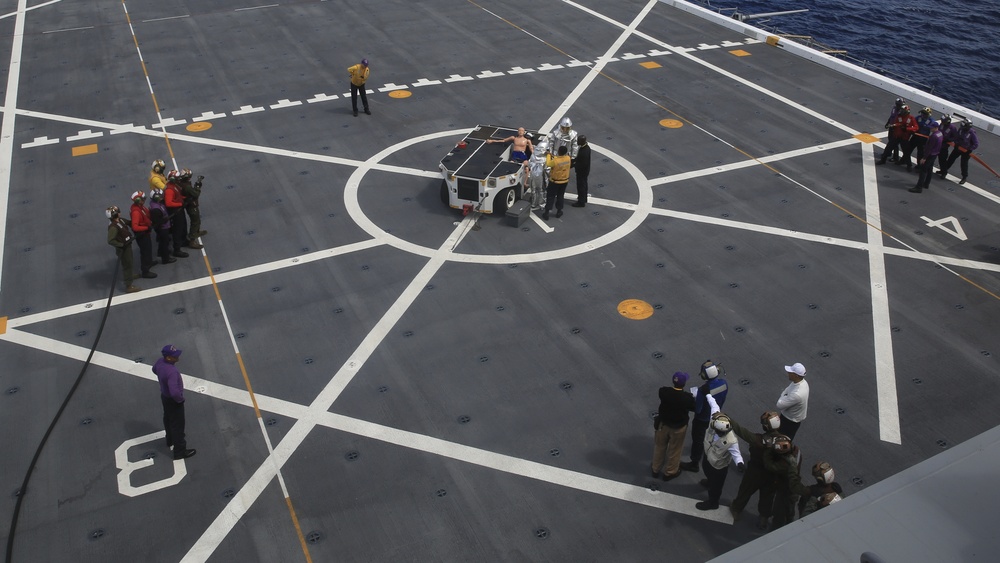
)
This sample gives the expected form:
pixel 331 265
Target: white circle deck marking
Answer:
pixel 640 212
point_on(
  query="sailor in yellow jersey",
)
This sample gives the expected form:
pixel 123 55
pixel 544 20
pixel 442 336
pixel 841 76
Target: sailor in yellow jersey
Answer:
pixel 157 181
pixel 359 75
pixel 558 179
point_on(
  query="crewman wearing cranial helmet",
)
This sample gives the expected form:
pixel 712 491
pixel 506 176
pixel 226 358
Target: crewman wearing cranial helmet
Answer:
pixel 756 478
pixel 715 385
pixel 173 198
pixel 825 492
pixel 120 237
pixel 783 459
pixel 157 179
pixel 142 227
pixel 721 449
pixel 161 224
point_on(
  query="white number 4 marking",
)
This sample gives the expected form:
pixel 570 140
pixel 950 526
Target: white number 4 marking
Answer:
pixel 955 230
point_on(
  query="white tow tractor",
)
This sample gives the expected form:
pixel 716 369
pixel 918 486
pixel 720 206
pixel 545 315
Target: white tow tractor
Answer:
pixel 480 177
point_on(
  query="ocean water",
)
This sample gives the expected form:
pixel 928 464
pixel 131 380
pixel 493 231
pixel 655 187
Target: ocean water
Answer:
pixel 946 47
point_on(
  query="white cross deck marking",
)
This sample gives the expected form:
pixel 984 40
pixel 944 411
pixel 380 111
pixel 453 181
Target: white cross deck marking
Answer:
pixel 317 414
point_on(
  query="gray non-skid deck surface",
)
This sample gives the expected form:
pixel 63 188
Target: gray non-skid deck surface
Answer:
pixel 484 400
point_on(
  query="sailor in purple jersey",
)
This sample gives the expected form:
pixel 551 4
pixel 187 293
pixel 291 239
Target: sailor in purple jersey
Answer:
pixel 925 164
pixel 966 141
pixel 950 132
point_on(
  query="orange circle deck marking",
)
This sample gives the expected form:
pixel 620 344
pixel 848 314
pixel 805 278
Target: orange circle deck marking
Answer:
pixel 400 94
pixel 199 126
pixel 635 309
pixel 672 123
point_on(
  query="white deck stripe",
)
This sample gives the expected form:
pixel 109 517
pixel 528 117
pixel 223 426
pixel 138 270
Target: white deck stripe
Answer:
pixel 7 125
pixel 885 365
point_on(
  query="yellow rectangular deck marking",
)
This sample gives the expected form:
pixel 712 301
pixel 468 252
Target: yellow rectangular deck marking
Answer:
pixel 650 64
pixel 85 149
pixel 3 325
pixel 866 138
pixel 739 53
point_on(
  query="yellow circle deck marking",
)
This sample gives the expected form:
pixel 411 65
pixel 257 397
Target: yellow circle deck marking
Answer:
pixel 199 126
pixel 635 309
pixel 672 123
pixel 400 94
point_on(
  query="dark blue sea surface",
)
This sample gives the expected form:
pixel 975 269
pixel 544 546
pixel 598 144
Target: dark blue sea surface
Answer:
pixel 946 47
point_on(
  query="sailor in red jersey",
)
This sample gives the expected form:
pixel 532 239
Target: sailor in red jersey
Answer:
pixel 173 198
pixel 142 226
pixel 900 131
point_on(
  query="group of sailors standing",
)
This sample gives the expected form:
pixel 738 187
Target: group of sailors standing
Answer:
pixel 933 141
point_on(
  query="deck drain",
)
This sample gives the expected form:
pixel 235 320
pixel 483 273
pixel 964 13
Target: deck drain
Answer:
pixel 824 354
pixel 77 268
pixel 511 266
pixel 959 306
pixel 839 410
pixel 744 381
pixel 725 215
pixel 272 421
pixel 429 287
pixel 858 481
pixel 12 390
pixel 595 213
pixel 942 443
pixel 82 333
pixel 149 455
pixel 734 285
pixel 524 230
pixel 565 385
pixel 554 452
pixel 662 200
pixel 440 493
pixel 657 355
pixel 241 335
pixel 179 311
pixel 802 266
pixel 574 330
pixel 338 311
pixel 313 537
pixel 661 265
pixel 499 308
pixel 96 534
pixel 660 230
pixel 364 267
pixel 813 306
pixel 542 533
pixel 307 361
pixel 894 329
pixel 917 380
pixel 730 247
pixel 250 232
pixel 382 388
pixel 275 289
pixel 229 493
pixel 739 329
pixel 584 285
pixel 658 306
pixel 653 487
pixel 985 353
pixel 352 455
pixel 484 359
pixel 26 309
pixel 464 419
pixel 408 334
pixel 86 420
pixel 16 493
